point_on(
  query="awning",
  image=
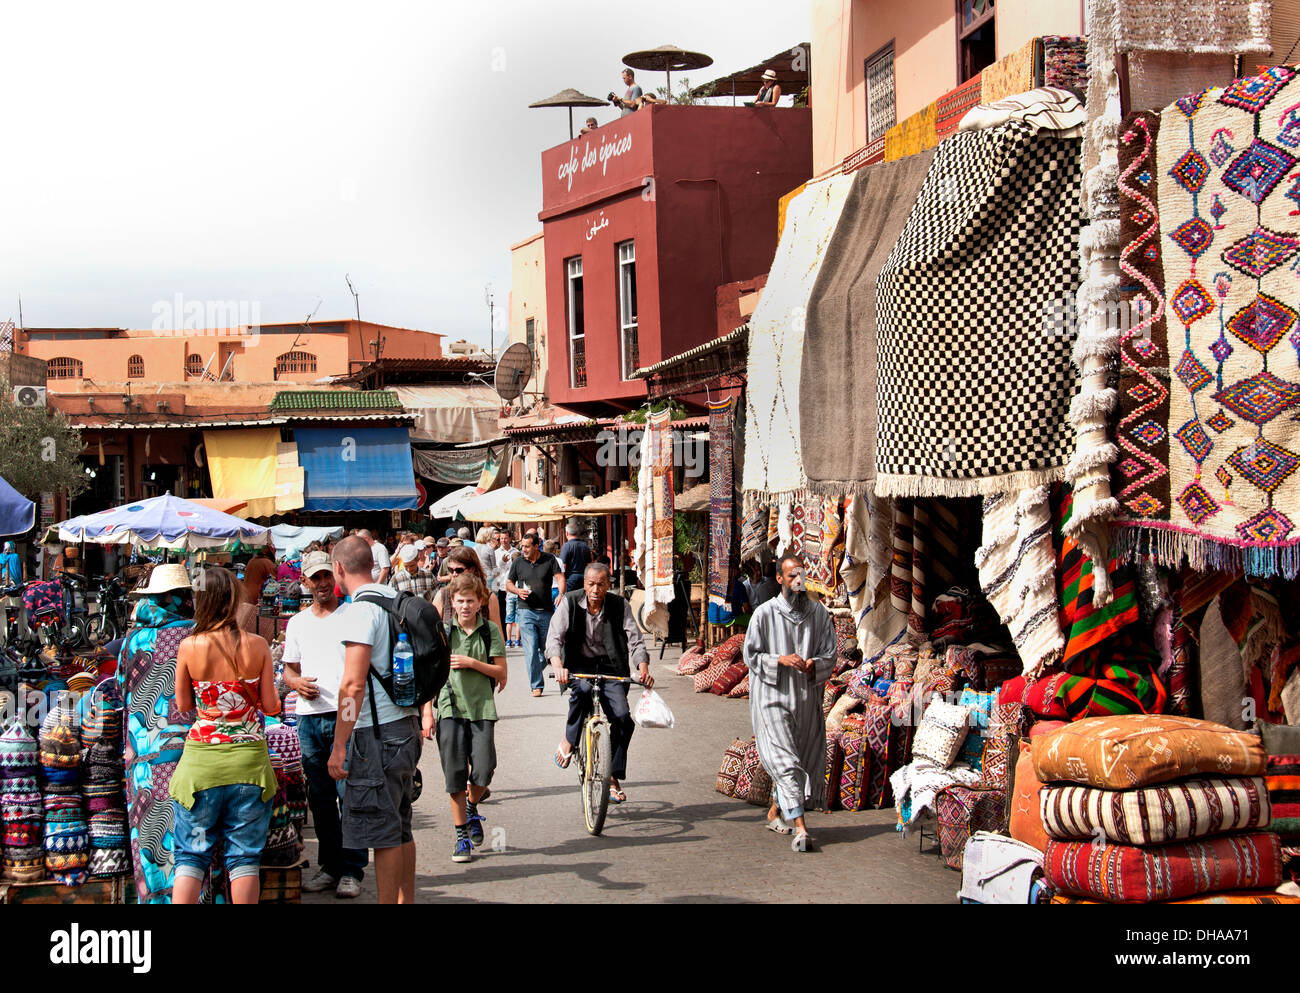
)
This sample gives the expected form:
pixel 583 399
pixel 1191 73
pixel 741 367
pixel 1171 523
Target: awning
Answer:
pixel 289 539
pixel 446 506
pixel 488 506
pixel 461 466
pixel 242 464
pixel 357 469
pixel 452 414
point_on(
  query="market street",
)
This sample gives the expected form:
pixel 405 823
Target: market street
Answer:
pixel 674 840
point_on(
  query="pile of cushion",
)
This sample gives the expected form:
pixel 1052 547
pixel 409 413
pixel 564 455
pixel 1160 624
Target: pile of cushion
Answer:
pixel 1146 809
pixel 742 774
pixel 21 810
pixel 67 835
pixel 104 782
pixel 721 670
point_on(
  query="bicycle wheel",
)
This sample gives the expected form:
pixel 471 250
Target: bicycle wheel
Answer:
pixel 595 781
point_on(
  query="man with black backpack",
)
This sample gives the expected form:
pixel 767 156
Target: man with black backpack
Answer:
pixel 384 736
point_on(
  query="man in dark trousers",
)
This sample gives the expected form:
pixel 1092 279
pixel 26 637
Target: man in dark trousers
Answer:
pixel 594 632
pixel 575 556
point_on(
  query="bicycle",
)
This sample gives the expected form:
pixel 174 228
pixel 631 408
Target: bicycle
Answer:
pixel 595 754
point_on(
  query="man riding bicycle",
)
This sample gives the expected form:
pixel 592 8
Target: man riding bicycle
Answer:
pixel 594 632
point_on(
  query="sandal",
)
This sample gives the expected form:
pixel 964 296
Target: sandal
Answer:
pixel 561 759
pixel 800 842
pixel 779 825
pixel 616 795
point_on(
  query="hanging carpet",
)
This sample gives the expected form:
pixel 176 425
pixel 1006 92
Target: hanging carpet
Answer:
pixel 721 506
pixel 838 382
pixel 1229 235
pixel 974 336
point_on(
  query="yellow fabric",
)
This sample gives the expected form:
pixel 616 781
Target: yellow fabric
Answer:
pixel 913 135
pixel 782 204
pixel 290 479
pixel 1017 73
pixel 243 467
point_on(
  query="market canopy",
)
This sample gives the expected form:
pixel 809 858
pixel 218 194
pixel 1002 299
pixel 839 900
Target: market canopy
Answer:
pixel 17 513
pixel 252 465
pixel 793 68
pixel 693 501
pixel 452 413
pixel 162 522
pixel 620 501
pixel 550 505
pixel 488 506
pixel 353 468
pixel 462 466
pixel 448 505
pixel 289 539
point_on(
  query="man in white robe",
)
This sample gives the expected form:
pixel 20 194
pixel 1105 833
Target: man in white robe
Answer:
pixel 790 650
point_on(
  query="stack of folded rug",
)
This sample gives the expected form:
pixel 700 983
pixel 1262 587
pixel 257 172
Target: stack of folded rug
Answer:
pixel 1148 809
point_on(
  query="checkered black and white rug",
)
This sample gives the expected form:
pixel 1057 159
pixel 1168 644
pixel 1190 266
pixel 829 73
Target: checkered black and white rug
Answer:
pixel 976 320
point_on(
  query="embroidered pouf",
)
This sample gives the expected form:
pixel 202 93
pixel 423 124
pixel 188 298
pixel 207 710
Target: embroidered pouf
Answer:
pixel 1153 815
pixel 1128 874
pixel 753 784
pixel 1133 750
pixel 855 774
pixel 732 760
pixel 962 812
pixel 834 768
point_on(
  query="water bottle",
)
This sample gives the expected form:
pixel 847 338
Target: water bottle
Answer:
pixel 403 673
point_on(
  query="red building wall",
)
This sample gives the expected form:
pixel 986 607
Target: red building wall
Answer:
pixel 697 188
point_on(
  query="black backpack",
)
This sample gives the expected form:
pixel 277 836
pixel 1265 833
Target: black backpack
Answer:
pixel 414 617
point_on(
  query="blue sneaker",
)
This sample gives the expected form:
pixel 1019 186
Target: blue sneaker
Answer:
pixel 475 825
pixel 463 852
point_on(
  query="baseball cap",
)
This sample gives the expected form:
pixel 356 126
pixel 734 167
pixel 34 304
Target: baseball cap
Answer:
pixel 449 533
pixel 443 543
pixel 429 543
pixel 314 562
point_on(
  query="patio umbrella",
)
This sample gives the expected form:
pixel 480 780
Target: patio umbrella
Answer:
pixel 620 501
pixel 551 505
pixel 667 59
pixel 446 506
pixel 489 506
pixel 17 513
pixel 693 501
pixel 163 522
pixel 570 98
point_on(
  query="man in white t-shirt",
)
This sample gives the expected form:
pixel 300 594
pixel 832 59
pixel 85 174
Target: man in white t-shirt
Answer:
pixel 382 570
pixel 385 738
pixel 313 667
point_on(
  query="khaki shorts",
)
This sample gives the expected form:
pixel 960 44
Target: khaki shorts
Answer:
pixel 381 775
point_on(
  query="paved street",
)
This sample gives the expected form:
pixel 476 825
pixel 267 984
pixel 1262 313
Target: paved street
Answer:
pixel 675 840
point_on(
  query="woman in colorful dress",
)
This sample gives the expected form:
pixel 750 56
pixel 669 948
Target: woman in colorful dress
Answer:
pixel 155 726
pixel 224 784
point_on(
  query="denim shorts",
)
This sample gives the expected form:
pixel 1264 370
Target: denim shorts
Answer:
pixel 512 607
pixel 235 814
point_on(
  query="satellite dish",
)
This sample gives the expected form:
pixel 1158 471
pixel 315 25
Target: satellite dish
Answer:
pixel 514 369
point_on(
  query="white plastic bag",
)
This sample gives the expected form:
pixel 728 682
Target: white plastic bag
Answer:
pixel 651 711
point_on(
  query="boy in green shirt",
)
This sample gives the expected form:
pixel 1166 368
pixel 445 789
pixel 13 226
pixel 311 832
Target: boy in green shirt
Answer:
pixel 466 710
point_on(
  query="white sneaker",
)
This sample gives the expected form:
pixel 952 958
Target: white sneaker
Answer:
pixel 320 882
pixel 348 889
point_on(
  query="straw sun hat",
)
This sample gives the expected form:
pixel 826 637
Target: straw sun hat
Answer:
pixel 165 579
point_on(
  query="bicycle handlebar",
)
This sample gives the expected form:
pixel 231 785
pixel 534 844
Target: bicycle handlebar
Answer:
pixel 612 679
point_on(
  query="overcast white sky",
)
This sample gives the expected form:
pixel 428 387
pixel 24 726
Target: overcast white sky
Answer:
pixel 256 152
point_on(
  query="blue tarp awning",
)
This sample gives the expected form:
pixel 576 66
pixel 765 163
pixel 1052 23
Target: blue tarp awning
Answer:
pixel 17 513
pixel 356 468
